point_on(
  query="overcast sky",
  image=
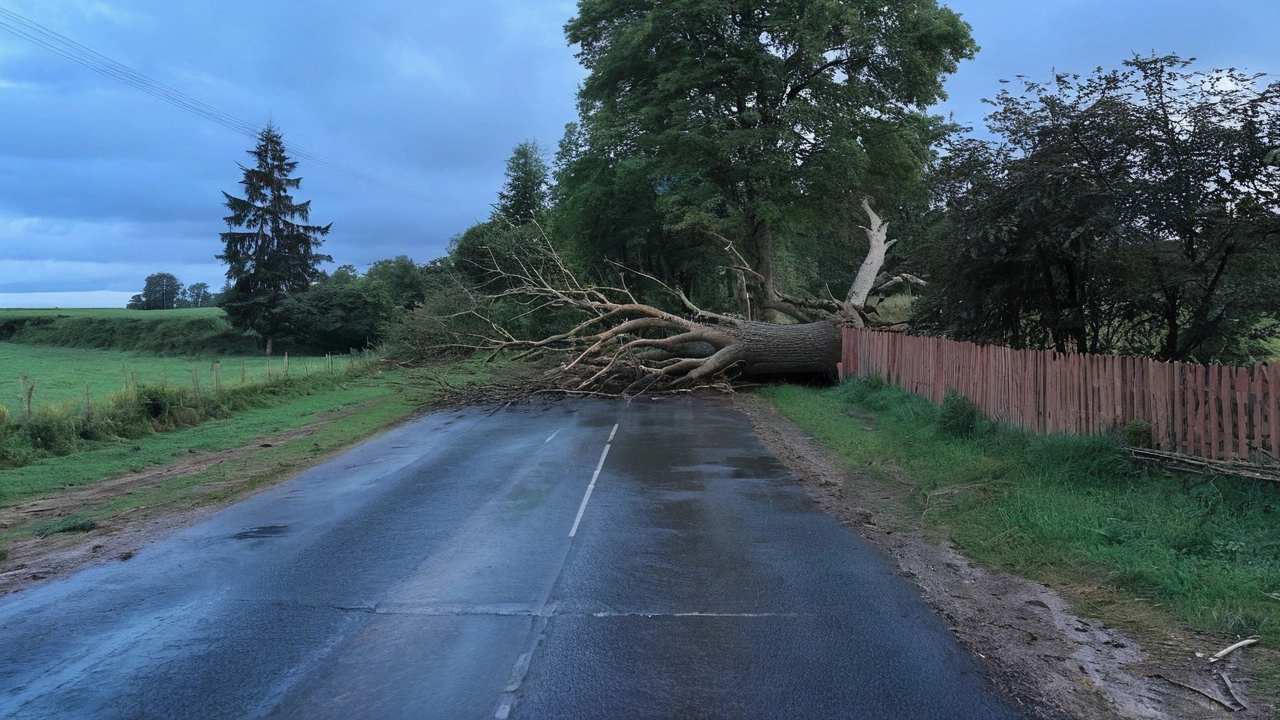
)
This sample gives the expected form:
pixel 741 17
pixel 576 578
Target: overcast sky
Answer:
pixel 102 184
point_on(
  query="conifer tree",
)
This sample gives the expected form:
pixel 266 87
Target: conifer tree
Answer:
pixel 526 191
pixel 270 250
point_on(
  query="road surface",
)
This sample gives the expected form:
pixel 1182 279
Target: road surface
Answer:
pixel 582 559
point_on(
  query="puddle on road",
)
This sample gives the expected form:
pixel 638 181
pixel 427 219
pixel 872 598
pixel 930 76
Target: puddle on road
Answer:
pixel 264 531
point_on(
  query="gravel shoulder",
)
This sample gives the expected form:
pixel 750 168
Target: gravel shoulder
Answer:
pixel 1038 649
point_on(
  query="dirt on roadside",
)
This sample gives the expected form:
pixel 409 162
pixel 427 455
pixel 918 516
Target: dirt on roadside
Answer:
pixel 33 559
pixel 1047 658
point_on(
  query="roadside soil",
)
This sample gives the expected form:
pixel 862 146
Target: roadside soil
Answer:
pixel 1039 650
pixel 118 537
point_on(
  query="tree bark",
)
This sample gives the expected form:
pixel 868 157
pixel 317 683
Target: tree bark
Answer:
pixel 877 231
pixel 762 259
pixel 805 349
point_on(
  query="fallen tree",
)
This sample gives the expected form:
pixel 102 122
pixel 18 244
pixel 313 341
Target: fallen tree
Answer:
pixel 618 344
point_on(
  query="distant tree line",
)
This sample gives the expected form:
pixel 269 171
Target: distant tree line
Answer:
pixel 163 291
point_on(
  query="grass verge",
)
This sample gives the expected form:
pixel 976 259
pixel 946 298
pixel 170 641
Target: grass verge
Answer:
pixel 211 463
pixel 1204 551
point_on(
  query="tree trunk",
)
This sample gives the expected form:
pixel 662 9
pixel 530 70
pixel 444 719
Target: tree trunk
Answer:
pixel 762 306
pixel 806 349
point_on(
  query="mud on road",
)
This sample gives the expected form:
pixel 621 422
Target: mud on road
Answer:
pixel 1054 662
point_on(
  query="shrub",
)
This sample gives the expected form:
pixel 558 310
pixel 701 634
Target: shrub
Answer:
pixel 1137 434
pixel 52 430
pixel 958 416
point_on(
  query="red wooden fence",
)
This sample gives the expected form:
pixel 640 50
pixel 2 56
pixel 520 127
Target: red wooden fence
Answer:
pixel 1210 411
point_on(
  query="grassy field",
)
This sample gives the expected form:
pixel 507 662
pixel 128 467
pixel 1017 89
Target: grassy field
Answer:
pixel 59 374
pixel 1204 551
pixel 111 313
pixel 300 424
pixel 187 332
pixel 117 458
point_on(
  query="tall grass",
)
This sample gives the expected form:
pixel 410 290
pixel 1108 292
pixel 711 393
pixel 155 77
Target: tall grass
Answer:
pixel 1205 548
pixel 40 375
pixel 36 432
pixel 195 331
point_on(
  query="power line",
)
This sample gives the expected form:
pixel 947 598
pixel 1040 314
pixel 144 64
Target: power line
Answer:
pixel 65 47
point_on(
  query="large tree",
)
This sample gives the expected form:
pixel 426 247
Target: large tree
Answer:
pixel 718 118
pixel 198 295
pixel 161 291
pixel 1129 211
pixel 527 189
pixel 270 249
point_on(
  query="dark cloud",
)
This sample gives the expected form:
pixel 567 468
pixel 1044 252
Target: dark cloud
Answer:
pixel 101 185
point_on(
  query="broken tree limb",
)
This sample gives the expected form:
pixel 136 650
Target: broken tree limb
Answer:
pixel 1232 690
pixel 1228 650
pixel 1192 464
pixel 1199 691
pixel 607 341
pixel 877 231
pixel 903 279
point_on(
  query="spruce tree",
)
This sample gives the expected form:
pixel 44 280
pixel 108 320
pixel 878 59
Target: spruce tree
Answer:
pixel 270 250
pixel 526 191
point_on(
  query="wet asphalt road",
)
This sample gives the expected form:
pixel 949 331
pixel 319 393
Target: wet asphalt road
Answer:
pixel 432 574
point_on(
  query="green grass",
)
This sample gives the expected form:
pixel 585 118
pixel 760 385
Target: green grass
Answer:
pixel 59 374
pixel 149 315
pixel 111 459
pixel 69 524
pixel 192 331
pixel 383 398
pixel 894 309
pixel 1206 550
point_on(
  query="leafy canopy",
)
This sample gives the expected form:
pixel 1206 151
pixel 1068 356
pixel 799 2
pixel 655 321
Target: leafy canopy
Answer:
pixel 1130 211
pixel 160 291
pixel 719 117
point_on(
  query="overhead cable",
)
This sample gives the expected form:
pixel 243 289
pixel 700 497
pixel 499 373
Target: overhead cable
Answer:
pixel 65 47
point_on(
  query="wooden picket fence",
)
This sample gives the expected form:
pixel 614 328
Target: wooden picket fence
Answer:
pixel 1208 411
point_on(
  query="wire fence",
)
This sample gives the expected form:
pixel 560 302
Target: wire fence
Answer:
pixel 1208 411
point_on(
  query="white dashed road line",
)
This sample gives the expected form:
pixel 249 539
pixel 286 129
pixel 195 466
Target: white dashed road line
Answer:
pixel 591 488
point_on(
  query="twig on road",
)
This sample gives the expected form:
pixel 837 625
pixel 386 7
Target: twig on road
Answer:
pixel 1228 650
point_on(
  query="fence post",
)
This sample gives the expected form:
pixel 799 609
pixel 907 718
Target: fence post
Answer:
pixel 1255 406
pixel 1242 413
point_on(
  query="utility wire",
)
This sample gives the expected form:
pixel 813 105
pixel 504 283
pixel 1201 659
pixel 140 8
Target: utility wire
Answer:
pixel 58 44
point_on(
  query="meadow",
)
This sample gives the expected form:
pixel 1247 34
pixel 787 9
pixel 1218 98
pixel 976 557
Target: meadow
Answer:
pixel 187 332
pixel 61 376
